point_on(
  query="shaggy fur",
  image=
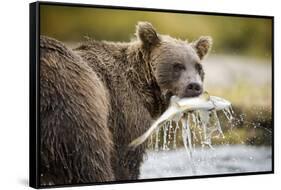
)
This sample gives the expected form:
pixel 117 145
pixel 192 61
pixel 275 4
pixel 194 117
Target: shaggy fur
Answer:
pixel 76 143
pixel 96 99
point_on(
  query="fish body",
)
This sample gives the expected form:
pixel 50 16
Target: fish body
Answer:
pixel 178 107
pixel 203 103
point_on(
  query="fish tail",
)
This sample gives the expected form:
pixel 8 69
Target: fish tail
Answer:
pixel 137 141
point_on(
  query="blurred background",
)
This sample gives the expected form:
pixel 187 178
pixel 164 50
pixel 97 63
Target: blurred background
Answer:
pixel 239 69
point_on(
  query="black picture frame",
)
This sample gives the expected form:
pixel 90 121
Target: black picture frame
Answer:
pixel 34 92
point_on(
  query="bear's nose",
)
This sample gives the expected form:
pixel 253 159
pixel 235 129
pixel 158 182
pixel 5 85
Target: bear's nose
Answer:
pixel 193 89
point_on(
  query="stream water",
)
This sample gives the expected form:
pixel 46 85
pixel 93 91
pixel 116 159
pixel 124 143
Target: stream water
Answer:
pixel 199 157
pixel 223 159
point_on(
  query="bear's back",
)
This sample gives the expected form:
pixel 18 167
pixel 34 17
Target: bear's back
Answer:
pixel 128 117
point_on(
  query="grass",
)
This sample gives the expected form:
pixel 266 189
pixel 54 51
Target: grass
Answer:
pixel 244 95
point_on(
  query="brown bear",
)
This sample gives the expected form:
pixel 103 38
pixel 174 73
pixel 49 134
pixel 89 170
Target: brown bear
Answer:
pixel 98 97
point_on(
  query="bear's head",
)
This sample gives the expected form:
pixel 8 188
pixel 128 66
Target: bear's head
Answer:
pixel 176 64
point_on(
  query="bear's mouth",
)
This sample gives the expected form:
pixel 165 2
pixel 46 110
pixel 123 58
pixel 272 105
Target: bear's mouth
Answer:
pixel 167 96
pixel 191 95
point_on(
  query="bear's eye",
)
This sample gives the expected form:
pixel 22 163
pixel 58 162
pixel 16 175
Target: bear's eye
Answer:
pixel 198 67
pixel 178 67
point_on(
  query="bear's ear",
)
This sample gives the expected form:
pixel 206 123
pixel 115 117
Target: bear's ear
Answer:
pixel 202 46
pixel 147 34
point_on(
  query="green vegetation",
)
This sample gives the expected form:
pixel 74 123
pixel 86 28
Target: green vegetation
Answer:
pixel 232 35
pixel 245 95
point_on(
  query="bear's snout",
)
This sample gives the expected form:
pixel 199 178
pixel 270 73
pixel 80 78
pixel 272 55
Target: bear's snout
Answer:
pixel 193 89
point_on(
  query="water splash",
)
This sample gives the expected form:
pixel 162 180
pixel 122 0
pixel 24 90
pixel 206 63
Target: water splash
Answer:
pixel 204 124
pixel 186 137
pixel 196 127
pixel 169 131
pixel 157 139
pixel 165 130
pixel 175 135
pixel 228 112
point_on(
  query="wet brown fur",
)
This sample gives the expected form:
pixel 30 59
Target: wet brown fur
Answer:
pixel 95 100
pixel 76 143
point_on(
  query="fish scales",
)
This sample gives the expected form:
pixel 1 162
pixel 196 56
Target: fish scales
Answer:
pixel 178 107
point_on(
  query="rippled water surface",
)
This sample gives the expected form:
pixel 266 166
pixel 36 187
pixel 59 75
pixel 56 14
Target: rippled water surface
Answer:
pixel 223 159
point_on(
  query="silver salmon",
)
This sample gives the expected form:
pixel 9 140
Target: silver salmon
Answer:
pixel 178 107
